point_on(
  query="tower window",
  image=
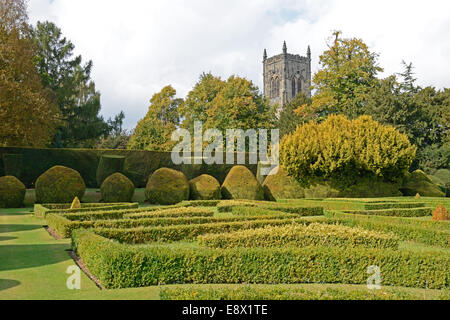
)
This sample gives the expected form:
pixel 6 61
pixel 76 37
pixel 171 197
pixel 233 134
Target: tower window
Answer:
pixel 275 88
pixel 294 91
pixel 299 86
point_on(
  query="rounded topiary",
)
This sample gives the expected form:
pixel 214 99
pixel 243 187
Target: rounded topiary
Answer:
pixel 59 185
pixel 419 182
pixel 167 186
pixel 117 188
pixel 240 183
pixel 204 187
pixel 12 192
pixel 108 165
pixel 278 185
pixel 441 214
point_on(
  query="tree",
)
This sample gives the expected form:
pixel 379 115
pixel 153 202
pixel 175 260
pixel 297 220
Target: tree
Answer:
pixel 232 104
pixel 347 73
pixel 154 131
pixel 342 151
pixel 70 81
pixel 28 114
pixel 118 137
pixel 289 120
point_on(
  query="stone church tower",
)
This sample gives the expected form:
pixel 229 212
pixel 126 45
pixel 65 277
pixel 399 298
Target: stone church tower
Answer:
pixel 285 75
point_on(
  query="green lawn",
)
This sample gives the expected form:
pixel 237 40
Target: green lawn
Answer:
pixel 33 265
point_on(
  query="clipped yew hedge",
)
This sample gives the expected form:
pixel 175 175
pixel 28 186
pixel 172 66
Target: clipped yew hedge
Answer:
pixel 410 212
pixel 314 234
pixel 119 265
pixel 41 210
pixel 227 206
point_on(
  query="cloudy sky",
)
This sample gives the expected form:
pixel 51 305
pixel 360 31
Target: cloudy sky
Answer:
pixel 139 46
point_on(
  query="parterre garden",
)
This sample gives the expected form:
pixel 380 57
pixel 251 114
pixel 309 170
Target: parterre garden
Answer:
pixel 201 240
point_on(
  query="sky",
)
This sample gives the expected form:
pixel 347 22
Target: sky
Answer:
pixel 140 46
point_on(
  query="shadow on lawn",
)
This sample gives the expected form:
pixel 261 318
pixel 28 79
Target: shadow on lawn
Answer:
pixel 7 238
pixel 14 257
pixel 4 228
pixel 8 284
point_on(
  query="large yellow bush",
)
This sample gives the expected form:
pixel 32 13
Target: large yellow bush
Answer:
pixel 344 150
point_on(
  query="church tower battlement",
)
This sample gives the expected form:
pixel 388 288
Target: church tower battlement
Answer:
pixel 285 75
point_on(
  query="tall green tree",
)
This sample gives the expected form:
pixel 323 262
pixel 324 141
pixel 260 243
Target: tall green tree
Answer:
pixel 154 131
pixel 70 81
pixel 289 120
pixel 28 114
pixel 347 73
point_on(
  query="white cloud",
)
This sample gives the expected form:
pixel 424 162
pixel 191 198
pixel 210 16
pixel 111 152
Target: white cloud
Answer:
pixel 140 46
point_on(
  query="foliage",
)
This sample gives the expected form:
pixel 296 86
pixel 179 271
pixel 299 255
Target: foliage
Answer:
pixel 119 266
pixel 28 113
pixel 204 187
pixel 281 186
pixel 69 80
pixel 167 186
pixel 342 150
pixel 255 207
pixel 232 104
pixel 240 183
pixel 347 74
pixel 154 131
pixel 418 182
pixel 12 192
pixel 118 138
pixel 108 165
pixel 117 188
pixel 298 235
pixel 76 204
pixel 441 213
pixel 59 185
pixel 289 120
pixel 395 212
pixel 13 164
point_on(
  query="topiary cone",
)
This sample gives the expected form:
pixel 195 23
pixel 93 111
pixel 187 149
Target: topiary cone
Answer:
pixel 76 204
pixel 441 214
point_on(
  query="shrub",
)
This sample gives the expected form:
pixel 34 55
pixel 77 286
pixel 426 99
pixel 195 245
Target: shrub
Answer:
pixel 342 150
pixel 314 234
pixel 167 186
pixel 117 188
pixel 240 183
pixel 392 205
pixel 171 212
pixel 200 203
pixel 409 212
pixel 227 206
pixel 441 214
pixel 274 292
pixel 13 165
pixel 204 187
pixel 419 182
pixel 12 192
pixel 280 186
pixel 120 266
pixel 59 185
pixel 41 210
pixel 182 232
pixel 76 204
pixel 108 165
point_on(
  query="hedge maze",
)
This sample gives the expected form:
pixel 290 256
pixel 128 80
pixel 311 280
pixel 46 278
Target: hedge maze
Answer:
pixel 258 242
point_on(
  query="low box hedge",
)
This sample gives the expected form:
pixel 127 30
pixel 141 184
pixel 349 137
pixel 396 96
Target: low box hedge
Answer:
pixel 397 212
pixel 173 212
pixel 41 210
pixel 183 232
pixel 427 232
pixel 227 206
pixel 393 205
pixel 199 203
pixel 314 234
pixel 276 292
pixel 119 265
pixel 64 227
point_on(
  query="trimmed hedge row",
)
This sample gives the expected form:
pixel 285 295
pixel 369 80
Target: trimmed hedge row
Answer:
pixel 92 216
pixel 41 210
pixel 426 232
pixel 314 234
pixel 227 206
pixel 274 292
pixel 121 266
pixel 393 205
pixel 182 232
pixel 64 226
pixel 172 212
pixel 412 212
pixel 199 203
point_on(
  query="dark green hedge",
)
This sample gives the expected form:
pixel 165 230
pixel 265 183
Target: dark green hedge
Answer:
pixel 138 164
pixel 122 266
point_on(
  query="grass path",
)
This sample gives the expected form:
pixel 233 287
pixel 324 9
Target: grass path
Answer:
pixel 33 266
